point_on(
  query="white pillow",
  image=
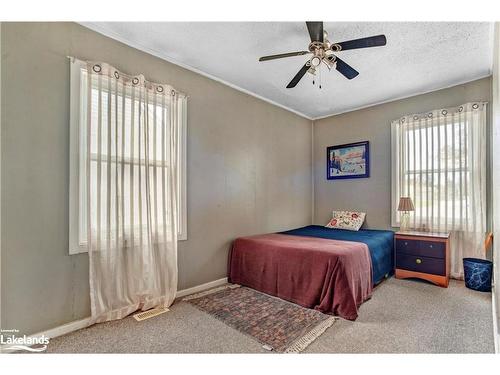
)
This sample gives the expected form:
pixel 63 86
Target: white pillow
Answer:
pixel 350 220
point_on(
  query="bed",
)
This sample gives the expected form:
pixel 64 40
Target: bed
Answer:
pixel 330 270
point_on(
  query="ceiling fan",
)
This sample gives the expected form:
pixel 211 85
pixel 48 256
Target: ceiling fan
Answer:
pixel 323 50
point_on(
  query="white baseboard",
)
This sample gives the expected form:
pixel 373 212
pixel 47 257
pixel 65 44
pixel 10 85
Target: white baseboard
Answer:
pixel 65 328
pixel 201 288
pixel 83 323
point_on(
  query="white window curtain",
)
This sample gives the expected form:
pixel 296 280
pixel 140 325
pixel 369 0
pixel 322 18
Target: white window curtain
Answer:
pixel 132 152
pixel 439 160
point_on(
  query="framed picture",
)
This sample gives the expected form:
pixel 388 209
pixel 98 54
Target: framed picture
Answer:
pixel 351 160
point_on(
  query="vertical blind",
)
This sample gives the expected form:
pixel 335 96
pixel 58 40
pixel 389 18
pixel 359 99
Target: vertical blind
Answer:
pixel 439 160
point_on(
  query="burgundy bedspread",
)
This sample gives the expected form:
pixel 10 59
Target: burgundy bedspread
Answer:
pixel 328 275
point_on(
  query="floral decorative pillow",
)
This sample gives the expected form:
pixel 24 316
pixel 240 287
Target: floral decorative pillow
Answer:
pixel 350 220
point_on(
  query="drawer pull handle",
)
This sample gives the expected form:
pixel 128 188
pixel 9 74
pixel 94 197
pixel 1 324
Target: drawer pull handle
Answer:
pixel 406 243
pixel 418 260
pixel 430 246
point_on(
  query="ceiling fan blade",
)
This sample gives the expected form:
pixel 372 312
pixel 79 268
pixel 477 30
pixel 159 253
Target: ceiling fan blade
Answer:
pixel 298 76
pixel 315 31
pixel 348 71
pixel 371 41
pixel 281 55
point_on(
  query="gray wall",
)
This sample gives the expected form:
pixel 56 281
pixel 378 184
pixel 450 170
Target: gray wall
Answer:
pixel 249 170
pixel 373 195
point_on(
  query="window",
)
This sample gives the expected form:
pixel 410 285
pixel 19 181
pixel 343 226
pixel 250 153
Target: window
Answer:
pixel 78 149
pixel 437 160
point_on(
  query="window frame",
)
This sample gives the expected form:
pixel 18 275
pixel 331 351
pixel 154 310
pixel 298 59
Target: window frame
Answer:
pixel 396 176
pixel 77 199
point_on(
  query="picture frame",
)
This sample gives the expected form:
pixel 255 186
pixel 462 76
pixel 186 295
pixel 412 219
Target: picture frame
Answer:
pixel 350 160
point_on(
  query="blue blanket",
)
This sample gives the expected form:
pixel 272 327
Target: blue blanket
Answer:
pixel 380 243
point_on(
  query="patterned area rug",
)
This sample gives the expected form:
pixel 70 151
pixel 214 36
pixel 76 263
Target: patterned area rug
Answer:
pixel 277 324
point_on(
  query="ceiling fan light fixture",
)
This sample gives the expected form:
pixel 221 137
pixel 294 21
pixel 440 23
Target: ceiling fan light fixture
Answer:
pixel 336 47
pixel 331 63
pixel 315 61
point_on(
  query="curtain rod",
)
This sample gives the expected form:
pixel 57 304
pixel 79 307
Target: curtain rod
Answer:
pixel 73 59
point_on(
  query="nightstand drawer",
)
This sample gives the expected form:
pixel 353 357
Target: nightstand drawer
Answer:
pixel 406 246
pixel 421 248
pixel 422 264
pixel 432 249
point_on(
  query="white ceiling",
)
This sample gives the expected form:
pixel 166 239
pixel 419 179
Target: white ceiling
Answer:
pixel 419 57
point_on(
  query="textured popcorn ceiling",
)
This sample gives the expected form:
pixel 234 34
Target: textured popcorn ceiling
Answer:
pixel 419 57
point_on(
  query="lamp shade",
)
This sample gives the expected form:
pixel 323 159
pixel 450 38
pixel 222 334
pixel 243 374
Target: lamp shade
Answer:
pixel 405 204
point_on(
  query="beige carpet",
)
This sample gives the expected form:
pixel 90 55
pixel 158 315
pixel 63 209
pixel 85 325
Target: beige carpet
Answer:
pixel 404 316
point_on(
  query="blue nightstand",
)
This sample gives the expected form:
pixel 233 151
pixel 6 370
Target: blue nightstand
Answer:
pixel 423 255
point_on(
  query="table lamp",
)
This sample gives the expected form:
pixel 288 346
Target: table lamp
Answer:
pixel 405 206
